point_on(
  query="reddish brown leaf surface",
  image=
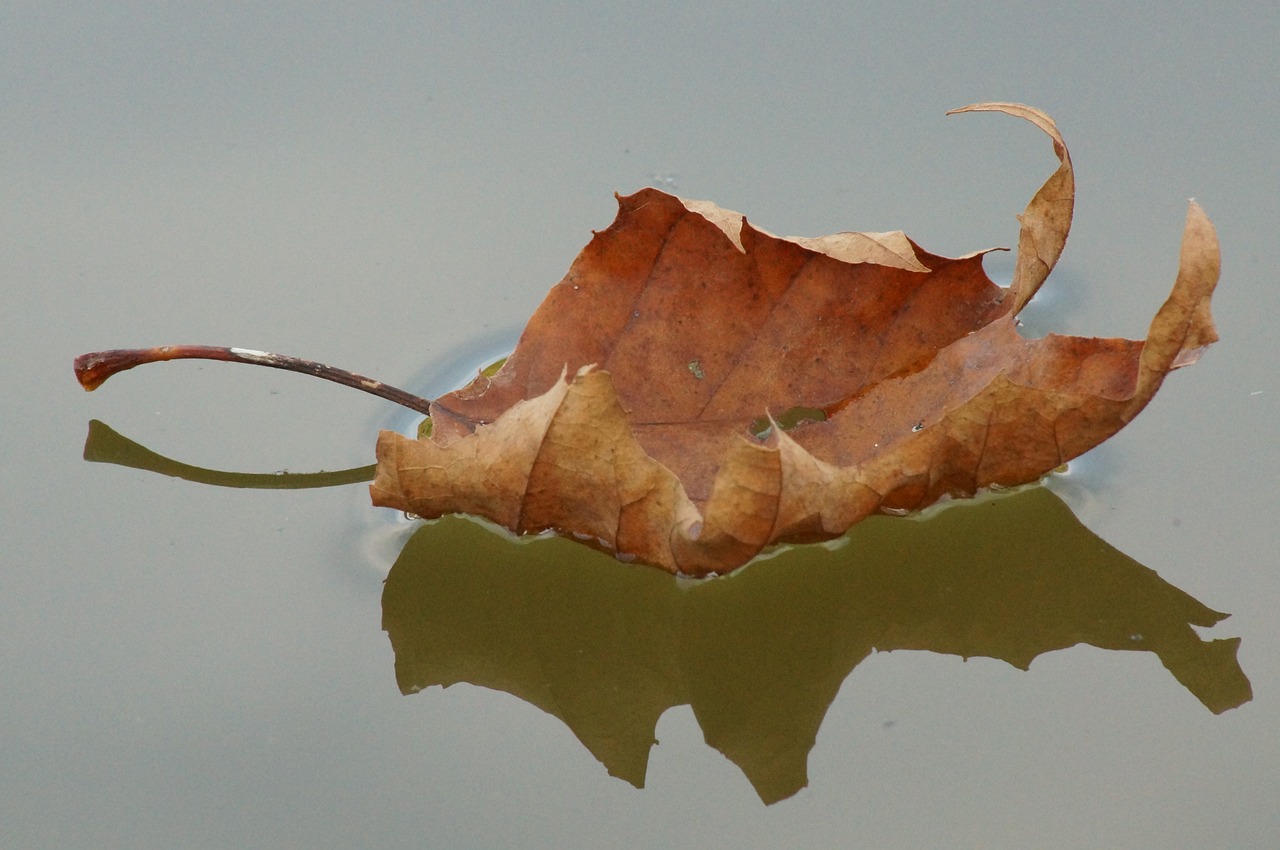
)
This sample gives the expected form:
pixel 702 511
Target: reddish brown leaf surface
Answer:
pixel 624 416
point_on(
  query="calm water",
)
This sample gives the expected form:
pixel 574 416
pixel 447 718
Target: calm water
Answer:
pixel 199 666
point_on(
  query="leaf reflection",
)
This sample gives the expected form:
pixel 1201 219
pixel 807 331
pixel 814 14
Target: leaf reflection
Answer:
pixel 106 445
pixel 760 655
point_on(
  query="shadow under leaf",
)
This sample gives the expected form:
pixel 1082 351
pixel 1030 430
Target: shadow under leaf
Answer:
pixel 761 654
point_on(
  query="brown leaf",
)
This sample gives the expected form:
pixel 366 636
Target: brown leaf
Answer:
pixel 625 415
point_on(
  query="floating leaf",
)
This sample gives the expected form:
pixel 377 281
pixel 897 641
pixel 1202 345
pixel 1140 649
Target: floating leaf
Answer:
pixel 630 413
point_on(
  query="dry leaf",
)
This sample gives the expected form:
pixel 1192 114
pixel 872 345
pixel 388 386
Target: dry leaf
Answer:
pixel 630 414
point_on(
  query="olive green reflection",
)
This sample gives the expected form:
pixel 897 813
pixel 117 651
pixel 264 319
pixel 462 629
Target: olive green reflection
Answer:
pixel 759 655
pixel 106 445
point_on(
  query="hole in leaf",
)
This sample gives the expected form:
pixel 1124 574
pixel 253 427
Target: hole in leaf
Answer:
pixel 791 418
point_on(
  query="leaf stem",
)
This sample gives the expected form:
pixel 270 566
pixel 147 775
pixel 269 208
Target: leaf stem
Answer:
pixel 93 369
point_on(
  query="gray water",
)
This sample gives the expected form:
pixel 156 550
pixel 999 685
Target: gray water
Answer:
pixel 393 193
